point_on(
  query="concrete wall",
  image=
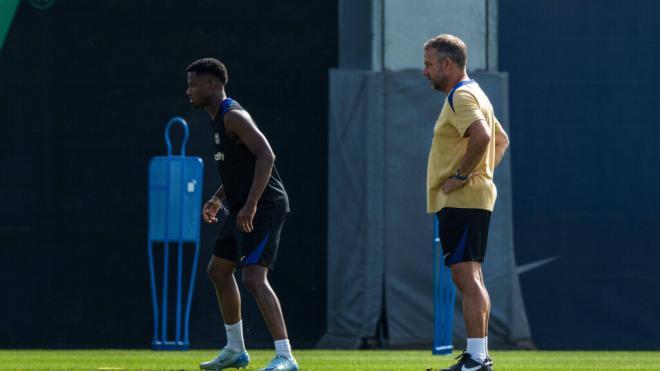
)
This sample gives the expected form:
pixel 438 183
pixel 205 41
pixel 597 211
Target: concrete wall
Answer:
pixel 389 34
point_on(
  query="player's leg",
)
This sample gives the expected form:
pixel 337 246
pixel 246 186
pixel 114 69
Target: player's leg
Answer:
pixel 220 271
pixel 481 276
pixel 484 223
pixel 255 279
pixel 463 234
pixel 260 250
pixel 466 276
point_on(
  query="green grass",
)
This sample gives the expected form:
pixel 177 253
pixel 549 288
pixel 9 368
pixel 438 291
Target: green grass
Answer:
pixel 314 360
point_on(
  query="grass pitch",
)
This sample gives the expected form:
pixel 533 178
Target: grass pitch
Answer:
pixel 315 360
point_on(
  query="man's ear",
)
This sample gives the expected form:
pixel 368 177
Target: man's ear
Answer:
pixel 445 62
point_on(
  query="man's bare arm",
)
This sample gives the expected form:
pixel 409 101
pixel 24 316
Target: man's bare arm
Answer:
pixel 220 193
pixel 239 125
pixel 501 143
pixel 478 139
pixel 211 207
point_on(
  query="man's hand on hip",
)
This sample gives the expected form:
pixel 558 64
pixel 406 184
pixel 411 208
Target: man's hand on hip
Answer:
pixel 452 184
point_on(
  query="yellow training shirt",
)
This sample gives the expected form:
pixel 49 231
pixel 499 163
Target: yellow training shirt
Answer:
pixel 464 105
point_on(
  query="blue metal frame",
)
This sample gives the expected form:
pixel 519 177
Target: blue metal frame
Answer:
pixel 160 340
pixel 444 297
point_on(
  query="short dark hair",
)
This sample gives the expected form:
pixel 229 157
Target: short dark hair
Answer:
pixel 449 46
pixel 210 66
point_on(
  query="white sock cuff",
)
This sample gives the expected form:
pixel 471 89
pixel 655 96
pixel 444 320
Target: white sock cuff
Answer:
pixel 236 326
pixel 283 348
pixel 235 340
pixel 476 347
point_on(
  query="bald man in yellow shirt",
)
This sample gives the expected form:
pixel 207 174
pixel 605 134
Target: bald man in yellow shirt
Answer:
pixel 468 143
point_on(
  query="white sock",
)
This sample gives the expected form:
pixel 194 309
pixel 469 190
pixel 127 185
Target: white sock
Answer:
pixel 283 348
pixel 487 354
pixel 477 349
pixel 235 337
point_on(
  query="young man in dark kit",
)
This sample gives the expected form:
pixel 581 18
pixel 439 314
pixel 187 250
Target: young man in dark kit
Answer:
pixel 258 205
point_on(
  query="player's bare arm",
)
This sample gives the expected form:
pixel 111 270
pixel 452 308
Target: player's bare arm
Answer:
pixel 220 193
pixel 478 138
pixel 501 143
pixel 240 127
pixel 211 207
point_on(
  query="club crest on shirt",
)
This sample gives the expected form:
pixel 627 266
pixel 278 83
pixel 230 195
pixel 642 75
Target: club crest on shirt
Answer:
pixel 219 156
pixel 216 138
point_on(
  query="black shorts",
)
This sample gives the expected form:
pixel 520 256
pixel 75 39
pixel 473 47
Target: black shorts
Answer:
pixel 463 234
pixel 257 247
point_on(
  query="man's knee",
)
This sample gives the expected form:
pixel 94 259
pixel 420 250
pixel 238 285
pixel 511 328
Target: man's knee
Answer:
pixel 465 278
pixel 254 281
pixel 217 273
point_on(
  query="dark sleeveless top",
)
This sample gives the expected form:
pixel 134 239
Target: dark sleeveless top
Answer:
pixel 236 166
